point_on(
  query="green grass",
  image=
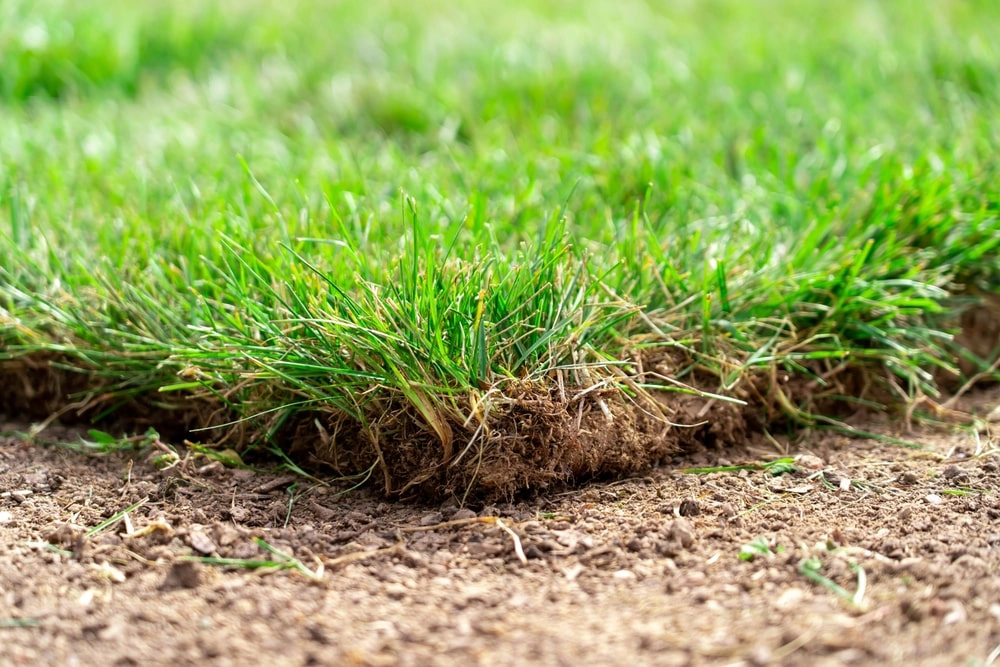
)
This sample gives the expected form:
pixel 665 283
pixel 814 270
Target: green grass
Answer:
pixel 282 561
pixel 776 467
pixel 757 548
pixel 811 568
pixel 115 518
pixel 365 222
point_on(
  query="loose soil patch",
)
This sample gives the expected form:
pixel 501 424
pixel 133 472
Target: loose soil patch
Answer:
pixel 642 571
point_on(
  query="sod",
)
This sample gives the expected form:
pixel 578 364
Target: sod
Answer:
pixel 450 249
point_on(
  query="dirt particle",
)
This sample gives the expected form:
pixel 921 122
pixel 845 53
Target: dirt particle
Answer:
pixel 789 598
pixel 912 609
pixel 200 542
pixel 850 656
pixel 68 536
pixel 323 513
pixel 276 483
pixel 957 614
pixel 952 471
pixel 431 519
pixel 182 574
pixel 463 514
pixel 396 591
pixel 245 550
pixel 682 533
pixel 533 552
pixel 908 478
pixel 809 462
pixel 225 535
pixel 238 514
pixel 728 511
pixel 689 507
pixel 485 548
pixel 317 634
pixel 19 496
pixel 760 656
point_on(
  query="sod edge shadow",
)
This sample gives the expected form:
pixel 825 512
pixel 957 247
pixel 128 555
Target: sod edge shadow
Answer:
pixel 54 387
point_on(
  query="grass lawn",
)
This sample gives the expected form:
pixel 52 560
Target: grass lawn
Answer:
pixel 446 245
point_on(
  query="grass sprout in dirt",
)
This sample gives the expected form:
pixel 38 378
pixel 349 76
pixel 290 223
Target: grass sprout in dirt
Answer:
pixel 282 561
pixel 451 250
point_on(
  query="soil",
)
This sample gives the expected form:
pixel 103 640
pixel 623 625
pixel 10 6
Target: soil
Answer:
pixel 642 571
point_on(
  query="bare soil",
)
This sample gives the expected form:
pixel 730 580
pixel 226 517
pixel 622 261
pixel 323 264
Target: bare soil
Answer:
pixel 641 571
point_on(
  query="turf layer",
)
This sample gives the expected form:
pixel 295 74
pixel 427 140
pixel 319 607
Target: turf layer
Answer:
pixel 449 248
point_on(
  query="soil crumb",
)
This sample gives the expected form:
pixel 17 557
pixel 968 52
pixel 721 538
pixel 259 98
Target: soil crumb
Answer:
pixel 858 552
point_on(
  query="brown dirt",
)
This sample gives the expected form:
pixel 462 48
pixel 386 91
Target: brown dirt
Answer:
pixel 641 571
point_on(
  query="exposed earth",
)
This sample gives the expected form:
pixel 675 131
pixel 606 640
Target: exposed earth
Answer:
pixel 642 571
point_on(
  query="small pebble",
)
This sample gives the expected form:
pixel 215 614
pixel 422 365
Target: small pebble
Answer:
pixel 934 499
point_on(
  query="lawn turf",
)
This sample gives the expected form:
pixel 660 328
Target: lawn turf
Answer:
pixel 454 247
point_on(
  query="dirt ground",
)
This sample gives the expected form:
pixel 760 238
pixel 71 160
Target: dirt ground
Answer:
pixel 642 571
